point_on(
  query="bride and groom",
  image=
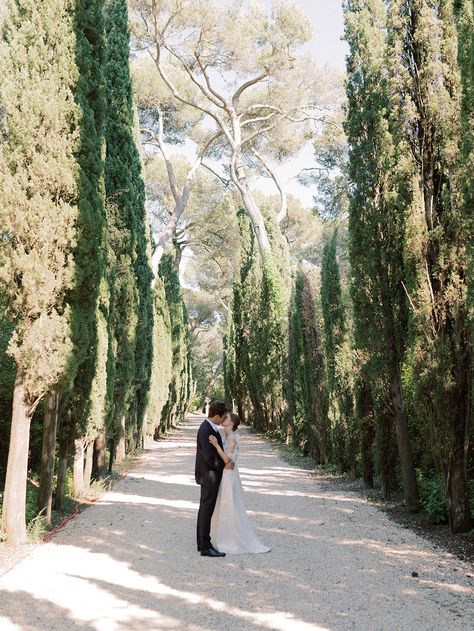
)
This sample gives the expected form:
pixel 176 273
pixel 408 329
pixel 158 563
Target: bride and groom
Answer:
pixel 221 507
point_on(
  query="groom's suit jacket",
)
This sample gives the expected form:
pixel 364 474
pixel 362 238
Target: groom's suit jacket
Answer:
pixel 209 466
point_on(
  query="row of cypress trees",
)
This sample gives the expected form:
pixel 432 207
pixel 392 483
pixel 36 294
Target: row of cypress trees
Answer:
pixel 378 377
pixel 84 334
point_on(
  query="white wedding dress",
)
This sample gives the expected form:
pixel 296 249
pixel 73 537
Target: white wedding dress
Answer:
pixel 231 530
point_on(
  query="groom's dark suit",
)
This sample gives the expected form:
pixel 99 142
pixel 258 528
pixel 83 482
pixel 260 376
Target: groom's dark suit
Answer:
pixel 208 473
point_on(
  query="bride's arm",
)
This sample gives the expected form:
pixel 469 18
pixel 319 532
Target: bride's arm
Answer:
pixel 226 458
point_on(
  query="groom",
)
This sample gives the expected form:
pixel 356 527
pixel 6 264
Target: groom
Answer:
pixel 208 472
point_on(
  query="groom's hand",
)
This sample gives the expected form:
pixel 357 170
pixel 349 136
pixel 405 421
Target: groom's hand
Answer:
pixel 229 465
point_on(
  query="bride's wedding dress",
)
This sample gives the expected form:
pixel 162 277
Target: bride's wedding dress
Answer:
pixel 231 530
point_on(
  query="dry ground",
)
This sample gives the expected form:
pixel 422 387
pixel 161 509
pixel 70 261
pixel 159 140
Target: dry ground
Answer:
pixel 337 562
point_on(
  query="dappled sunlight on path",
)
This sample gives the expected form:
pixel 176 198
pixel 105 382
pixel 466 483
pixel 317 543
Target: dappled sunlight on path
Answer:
pixel 130 562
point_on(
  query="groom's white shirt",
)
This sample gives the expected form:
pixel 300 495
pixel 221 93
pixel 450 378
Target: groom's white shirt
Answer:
pixel 217 429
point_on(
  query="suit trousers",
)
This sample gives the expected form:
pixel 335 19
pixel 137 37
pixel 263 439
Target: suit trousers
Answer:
pixel 207 504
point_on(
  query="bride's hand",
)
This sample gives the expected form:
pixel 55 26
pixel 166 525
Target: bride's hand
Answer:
pixel 213 441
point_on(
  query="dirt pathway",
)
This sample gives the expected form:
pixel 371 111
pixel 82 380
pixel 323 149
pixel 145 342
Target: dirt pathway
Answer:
pixel 130 562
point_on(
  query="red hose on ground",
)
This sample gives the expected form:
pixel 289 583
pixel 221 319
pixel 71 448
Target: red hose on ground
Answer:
pixel 64 522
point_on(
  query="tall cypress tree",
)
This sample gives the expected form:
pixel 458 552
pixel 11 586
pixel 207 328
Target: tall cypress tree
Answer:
pixel 132 313
pixel 424 68
pixel 180 386
pixel 161 373
pixel 307 390
pixel 39 215
pixel 376 222
pixel 464 11
pixel 338 358
pixel 244 300
pixel 90 250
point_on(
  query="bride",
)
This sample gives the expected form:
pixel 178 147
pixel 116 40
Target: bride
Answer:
pixel 231 530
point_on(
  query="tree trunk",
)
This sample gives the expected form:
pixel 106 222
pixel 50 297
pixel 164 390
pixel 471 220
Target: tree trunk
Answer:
pixel 120 448
pixel 365 414
pixel 99 456
pixel 410 488
pixel 458 492
pixel 88 464
pixel 458 496
pixel 48 456
pixel 112 454
pixel 62 466
pixel 78 469
pixel 239 178
pixel 14 497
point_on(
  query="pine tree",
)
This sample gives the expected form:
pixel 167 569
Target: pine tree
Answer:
pixel 376 221
pixel 39 214
pixel 424 68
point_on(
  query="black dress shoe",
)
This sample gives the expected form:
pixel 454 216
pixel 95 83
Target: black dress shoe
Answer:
pixel 212 552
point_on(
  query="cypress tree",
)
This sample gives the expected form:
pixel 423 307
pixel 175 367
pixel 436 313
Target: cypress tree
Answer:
pixel 180 386
pixel 268 340
pixel 464 11
pixel 307 385
pixel 161 372
pixel 39 214
pixel 131 316
pixel 424 68
pixel 244 389
pixel 90 250
pixel 376 222
pixel 338 358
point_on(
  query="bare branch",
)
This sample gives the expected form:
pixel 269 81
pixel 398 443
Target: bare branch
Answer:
pixel 185 101
pixel 208 83
pixel 225 181
pixel 209 95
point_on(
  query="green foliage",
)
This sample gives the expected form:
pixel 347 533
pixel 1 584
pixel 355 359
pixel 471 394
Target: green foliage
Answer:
pixel 162 364
pixel 307 388
pixel 38 187
pixel 181 386
pixel 129 273
pixel 377 230
pixel 90 247
pixel 340 369
pixel 435 239
pixel 433 498
pixel 256 341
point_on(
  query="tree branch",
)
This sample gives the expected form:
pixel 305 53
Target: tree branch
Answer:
pixel 225 181
pixel 283 199
pixel 238 93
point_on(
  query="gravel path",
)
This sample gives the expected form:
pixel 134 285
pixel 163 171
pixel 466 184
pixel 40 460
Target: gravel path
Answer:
pixel 129 562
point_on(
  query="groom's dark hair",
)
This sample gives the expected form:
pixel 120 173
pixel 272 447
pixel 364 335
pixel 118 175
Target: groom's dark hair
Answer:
pixel 217 408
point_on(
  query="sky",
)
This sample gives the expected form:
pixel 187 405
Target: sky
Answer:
pixel 326 47
pixel 328 28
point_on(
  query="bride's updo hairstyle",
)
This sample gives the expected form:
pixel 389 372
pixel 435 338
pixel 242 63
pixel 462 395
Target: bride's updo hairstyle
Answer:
pixel 235 418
